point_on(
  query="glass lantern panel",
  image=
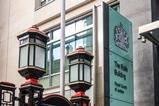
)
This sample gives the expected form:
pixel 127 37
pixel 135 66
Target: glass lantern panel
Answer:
pixel 24 40
pixel 40 42
pixel 31 40
pixel 87 73
pixel 74 61
pixel 74 73
pixel 39 57
pixel 87 61
pixel 31 55
pixel 23 56
pixel 81 71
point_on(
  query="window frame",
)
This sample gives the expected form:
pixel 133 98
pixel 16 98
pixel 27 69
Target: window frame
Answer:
pixel 38 4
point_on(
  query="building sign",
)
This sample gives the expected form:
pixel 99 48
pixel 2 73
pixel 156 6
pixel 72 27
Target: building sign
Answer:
pixel 121 85
pixel 118 59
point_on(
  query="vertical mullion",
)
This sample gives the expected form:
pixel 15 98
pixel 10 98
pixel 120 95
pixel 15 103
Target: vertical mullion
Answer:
pixel 50 64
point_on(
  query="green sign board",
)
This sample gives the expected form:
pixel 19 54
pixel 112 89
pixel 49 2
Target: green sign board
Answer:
pixel 118 58
pixel 114 102
pixel 120 34
pixel 121 78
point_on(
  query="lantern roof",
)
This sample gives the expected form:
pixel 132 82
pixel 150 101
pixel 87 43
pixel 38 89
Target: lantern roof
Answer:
pixel 33 29
pixel 80 51
pixel 7 84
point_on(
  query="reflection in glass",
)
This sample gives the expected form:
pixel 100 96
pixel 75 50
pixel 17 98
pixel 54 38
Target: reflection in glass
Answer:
pixel 56 60
pixel 48 61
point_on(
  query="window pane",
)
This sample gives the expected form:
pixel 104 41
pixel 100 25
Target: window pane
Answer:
pixel 45 82
pixel 23 56
pixel 85 40
pixel 50 35
pixel 79 43
pixel 74 73
pixel 31 58
pixel 87 74
pixel 83 23
pixel 66 77
pixel 70 29
pixel 55 80
pixel 69 47
pixel 56 34
pixel 88 20
pixel 88 43
pixel 48 62
pixel 56 60
pixel 66 64
pixel 39 57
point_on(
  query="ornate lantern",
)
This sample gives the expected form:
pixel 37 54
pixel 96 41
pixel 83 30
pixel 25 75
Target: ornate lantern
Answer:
pixel 32 57
pixel 32 54
pixel 80 74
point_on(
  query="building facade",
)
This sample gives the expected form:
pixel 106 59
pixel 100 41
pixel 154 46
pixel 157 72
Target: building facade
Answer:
pixel 83 28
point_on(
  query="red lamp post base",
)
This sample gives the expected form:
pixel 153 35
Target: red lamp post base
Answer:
pixel 80 99
pixel 31 81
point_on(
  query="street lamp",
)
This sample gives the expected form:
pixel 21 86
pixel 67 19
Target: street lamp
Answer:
pixel 80 75
pixel 32 57
pixel 32 53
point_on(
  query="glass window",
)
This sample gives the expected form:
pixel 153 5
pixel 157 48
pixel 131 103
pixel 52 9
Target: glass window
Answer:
pixel 77 34
pixel 56 60
pixel 55 80
pixel 70 29
pixel 82 24
pixel 56 34
pixel 48 58
pixel 44 2
pixel 45 82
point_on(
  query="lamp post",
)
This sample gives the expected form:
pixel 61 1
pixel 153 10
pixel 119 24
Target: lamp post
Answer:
pixel 80 75
pixel 32 57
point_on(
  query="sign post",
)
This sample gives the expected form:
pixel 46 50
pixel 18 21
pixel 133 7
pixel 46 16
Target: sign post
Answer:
pixel 118 59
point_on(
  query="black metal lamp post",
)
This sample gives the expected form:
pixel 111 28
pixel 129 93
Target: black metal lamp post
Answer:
pixel 32 57
pixel 80 75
